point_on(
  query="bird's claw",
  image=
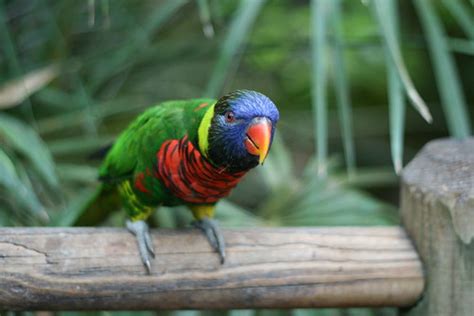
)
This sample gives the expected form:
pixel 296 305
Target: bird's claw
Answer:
pixel 213 233
pixel 145 245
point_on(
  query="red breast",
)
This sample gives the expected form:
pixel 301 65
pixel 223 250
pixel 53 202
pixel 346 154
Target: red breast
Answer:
pixel 190 176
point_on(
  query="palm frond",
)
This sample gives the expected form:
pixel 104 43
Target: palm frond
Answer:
pixel 319 14
pixel 446 74
pixel 238 31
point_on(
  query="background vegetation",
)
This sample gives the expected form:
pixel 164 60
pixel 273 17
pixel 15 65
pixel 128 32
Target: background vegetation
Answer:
pixel 356 82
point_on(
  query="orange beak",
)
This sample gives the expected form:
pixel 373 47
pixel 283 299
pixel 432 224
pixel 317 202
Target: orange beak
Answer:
pixel 258 138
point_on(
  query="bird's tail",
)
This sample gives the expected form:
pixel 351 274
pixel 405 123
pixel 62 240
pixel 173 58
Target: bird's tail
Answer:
pixel 96 210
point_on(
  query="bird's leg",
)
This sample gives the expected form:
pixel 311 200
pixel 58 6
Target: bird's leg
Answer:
pixel 145 246
pixel 203 213
pixel 213 233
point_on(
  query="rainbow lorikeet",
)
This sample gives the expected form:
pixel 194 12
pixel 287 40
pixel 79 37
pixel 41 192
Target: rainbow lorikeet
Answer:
pixel 188 152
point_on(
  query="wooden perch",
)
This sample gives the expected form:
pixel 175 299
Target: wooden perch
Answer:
pixel 99 269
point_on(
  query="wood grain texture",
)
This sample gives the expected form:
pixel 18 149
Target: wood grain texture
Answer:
pixel 438 212
pixel 99 269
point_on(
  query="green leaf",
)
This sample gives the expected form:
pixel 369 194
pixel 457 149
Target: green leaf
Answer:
pixel 341 207
pixel 382 12
pixel 360 312
pixel 447 78
pixel 239 29
pixel 77 173
pixel 462 46
pixel 5 217
pixel 319 13
pixel 84 98
pixel 27 142
pixel 15 91
pixel 186 313
pixel 205 16
pixel 12 58
pixel 369 177
pixel 462 15
pixel 395 89
pixel 126 54
pixel 342 90
pixel 270 312
pixel 105 8
pixel 22 194
pixel 68 120
pixel 241 312
pixel 57 98
pixel 330 203
pixel 305 312
pixel 79 145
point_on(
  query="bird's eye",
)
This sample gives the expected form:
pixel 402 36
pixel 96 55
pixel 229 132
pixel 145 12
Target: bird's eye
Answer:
pixel 229 117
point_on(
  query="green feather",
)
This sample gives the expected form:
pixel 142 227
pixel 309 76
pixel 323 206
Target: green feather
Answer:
pixel 137 145
pixel 135 151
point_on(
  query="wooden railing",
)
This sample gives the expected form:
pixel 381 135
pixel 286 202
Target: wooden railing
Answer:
pixel 99 268
pixel 80 268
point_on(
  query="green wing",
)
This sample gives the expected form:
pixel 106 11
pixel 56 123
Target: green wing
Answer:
pixel 136 147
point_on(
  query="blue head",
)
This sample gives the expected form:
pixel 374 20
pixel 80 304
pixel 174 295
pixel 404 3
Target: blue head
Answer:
pixel 241 130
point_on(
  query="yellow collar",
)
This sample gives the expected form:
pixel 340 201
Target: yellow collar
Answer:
pixel 203 131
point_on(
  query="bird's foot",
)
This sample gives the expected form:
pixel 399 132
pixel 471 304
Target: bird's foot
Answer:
pixel 213 233
pixel 145 246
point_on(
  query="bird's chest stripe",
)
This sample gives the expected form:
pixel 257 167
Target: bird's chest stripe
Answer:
pixel 189 176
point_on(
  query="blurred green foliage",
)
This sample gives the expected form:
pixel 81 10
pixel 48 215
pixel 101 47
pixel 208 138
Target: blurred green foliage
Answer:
pixel 343 73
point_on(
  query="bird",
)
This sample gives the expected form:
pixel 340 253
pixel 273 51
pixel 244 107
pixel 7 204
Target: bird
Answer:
pixel 189 152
